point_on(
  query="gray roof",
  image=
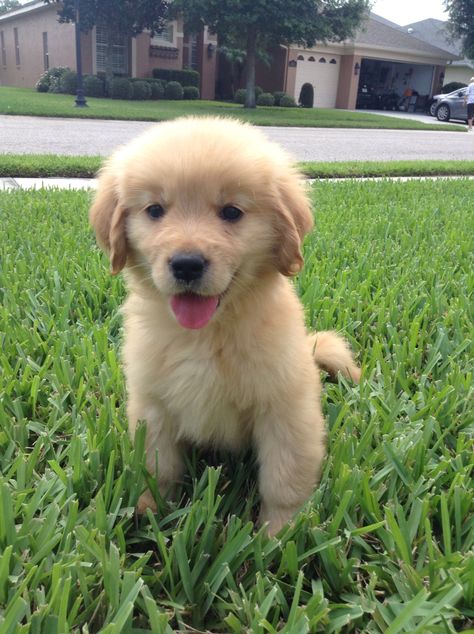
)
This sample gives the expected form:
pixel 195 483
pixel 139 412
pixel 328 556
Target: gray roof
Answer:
pixel 435 32
pixel 377 31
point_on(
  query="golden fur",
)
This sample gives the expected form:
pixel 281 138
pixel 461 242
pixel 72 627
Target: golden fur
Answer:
pixel 249 376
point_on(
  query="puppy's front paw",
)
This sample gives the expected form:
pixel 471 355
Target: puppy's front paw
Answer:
pixel 275 517
pixel 146 501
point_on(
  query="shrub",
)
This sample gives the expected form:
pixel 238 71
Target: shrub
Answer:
pixel 42 85
pixel 141 90
pixel 157 88
pixel 120 88
pixel 277 95
pixel 452 86
pixel 190 92
pixel 173 90
pixel 266 99
pixel 93 86
pixel 239 96
pixel 50 80
pixel 184 77
pixel 307 96
pixel 56 75
pixel 287 102
pixel 68 82
pixel 258 92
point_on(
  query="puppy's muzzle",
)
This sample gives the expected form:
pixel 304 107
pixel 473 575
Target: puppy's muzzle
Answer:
pixel 188 267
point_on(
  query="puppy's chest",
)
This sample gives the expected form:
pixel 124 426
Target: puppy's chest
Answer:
pixel 208 401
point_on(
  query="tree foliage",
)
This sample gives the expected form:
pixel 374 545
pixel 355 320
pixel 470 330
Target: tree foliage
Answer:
pixel 461 23
pixel 128 17
pixel 254 25
pixel 8 5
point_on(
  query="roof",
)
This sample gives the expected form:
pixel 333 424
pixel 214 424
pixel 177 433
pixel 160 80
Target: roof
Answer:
pixel 25 8
pixel 377 31
pixel 432 30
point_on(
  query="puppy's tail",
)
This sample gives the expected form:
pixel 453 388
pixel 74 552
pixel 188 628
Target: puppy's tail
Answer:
pixel 333 354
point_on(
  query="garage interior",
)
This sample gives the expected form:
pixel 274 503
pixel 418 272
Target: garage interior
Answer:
pixel 387 85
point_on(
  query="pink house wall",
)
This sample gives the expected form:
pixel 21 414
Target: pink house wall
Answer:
pixel 30 28
pixel 348 82
pixel 41 19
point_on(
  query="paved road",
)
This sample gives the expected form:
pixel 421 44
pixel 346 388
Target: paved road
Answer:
pixel 96 137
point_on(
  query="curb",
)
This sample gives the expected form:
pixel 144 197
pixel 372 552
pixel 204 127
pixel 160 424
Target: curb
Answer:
pixel 47 183
pixel 12 184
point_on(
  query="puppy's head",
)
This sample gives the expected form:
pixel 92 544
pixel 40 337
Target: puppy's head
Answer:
pixel 201 209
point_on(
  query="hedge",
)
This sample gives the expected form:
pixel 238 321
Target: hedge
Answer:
pixel 183 77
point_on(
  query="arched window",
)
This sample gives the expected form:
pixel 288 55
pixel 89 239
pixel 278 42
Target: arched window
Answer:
pixel 322 60
pixel 333 61
pixel 311 59
pixel 300 58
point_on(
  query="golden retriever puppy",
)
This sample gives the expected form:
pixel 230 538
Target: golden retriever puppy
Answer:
pixel 207 217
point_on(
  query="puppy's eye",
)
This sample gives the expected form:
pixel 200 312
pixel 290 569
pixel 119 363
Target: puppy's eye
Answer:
pixel 231 213
pixel 155 211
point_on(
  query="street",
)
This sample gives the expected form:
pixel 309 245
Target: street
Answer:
pixel 24 135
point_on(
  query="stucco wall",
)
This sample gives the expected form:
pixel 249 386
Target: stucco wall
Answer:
pixel 208 65
pixel 348 82
pixel 31 26
pixel 458 73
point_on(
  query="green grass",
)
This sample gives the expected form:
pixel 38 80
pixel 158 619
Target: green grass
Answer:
pixel 53 165
pixel 25 101
pixel 386 542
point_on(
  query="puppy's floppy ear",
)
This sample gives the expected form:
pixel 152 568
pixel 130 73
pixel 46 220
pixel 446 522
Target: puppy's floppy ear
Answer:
pixel 294 221
pixel 107 217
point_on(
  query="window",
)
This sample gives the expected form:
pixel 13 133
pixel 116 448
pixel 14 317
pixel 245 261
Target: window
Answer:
pixel 333 61
pixel 45 51
pixel 118 50
pixel 300 57
pixel 311 59
pixel 193 52
pixel 17 46
pixel 2 45
pixel 322 60
pixel 165 36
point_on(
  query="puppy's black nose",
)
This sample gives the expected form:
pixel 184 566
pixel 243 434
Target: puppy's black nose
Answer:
pixel 188 267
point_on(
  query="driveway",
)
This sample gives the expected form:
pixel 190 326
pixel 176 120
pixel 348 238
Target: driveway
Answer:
pixel 22 135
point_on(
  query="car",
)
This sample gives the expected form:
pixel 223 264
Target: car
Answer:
pixel 435 99
pixel 450 106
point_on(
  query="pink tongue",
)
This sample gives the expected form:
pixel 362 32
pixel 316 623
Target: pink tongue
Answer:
pixel 193 311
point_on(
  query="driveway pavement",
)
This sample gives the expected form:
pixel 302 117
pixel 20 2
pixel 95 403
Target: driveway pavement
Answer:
pixel 96 137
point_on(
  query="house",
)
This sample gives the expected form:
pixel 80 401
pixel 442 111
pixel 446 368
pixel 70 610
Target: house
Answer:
pixel 382 60
pixel 378 67
pixel 436 32
pixel 32 41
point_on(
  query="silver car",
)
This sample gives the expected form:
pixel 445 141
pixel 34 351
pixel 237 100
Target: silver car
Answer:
pixel 450 106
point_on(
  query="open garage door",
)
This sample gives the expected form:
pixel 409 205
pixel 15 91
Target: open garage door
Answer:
pixel 322 72
pixel 389 85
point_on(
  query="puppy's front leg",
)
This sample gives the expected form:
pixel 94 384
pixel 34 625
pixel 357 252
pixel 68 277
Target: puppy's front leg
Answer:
pixel 290 447
pixel 160 443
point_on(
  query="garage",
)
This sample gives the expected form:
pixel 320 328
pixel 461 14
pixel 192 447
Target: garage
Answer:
pixel 321 70
pixel 389 85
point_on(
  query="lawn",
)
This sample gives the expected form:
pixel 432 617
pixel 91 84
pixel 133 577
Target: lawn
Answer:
pixel 59 166
pixel 386 542
pixel 25 101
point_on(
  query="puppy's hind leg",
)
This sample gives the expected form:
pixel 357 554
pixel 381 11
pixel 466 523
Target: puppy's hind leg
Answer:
pixel 161 446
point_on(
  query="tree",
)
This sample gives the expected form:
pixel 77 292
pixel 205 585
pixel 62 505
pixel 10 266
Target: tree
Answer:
pixel 236 59
pixel 461 23
pixel 8 5
pixel 123 17
pixel 254 25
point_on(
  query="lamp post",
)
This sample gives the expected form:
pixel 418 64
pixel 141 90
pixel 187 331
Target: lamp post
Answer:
pixel 80 99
